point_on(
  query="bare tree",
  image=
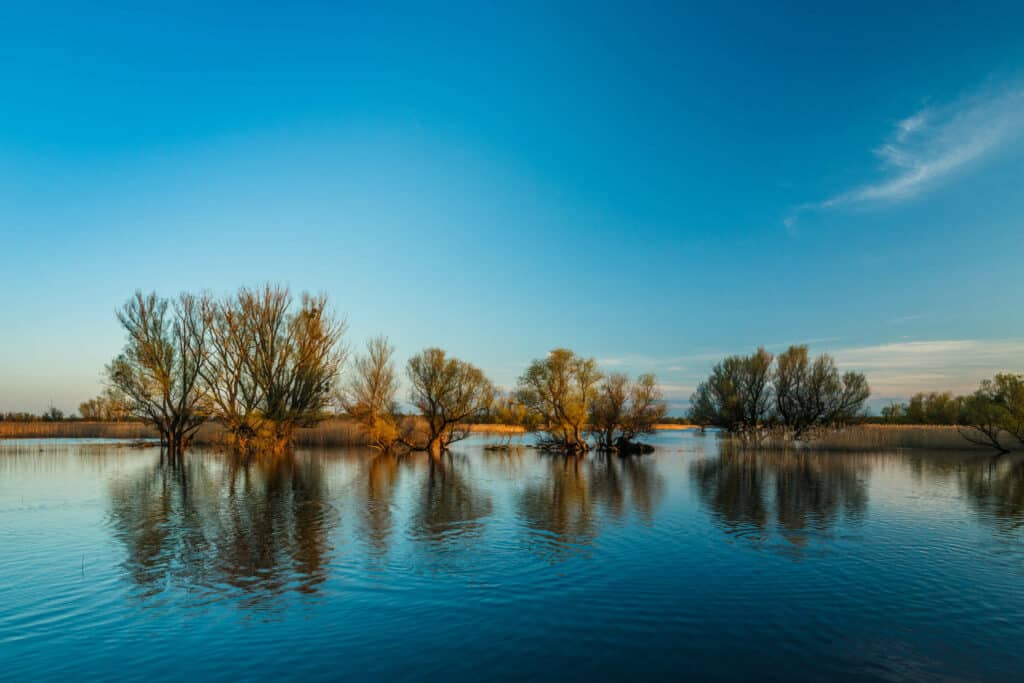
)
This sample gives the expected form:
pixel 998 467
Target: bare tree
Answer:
pixel 1009 391
pixel 234 395
pixel 107 407
pixel 736 395
pixel 449 393
pixel 811 394
pixel 624 410
pixel 295 358
pixel 369 394
pixel 158 372
pixel 791 391
pixel 847 405
pixel 559 390
pixel 647 408
pixel 608 410
pixel 985 417
pixel 91 409
pixel 996 407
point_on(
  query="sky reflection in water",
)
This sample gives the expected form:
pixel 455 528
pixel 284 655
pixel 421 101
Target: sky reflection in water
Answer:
pixel 719 564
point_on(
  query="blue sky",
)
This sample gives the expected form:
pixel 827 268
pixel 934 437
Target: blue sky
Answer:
pixel 655 185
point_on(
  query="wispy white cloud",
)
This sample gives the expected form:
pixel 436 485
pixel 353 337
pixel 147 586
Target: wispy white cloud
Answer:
pixel 677 392
pixel 934 144
pixel 894 370
pixel 903 368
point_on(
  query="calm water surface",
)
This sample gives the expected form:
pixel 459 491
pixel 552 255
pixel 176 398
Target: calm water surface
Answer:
pixel 687 563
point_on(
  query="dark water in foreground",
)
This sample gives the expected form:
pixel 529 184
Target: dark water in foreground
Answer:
pixel 683 564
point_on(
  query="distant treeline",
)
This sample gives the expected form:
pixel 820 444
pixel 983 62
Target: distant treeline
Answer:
pixel 51 414
pixel 991 416
pixel 926 408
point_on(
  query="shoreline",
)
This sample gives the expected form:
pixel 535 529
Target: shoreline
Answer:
pixel 342 432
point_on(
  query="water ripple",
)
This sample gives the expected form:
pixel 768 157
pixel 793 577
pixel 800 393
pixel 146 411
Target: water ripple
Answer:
pixel 328 564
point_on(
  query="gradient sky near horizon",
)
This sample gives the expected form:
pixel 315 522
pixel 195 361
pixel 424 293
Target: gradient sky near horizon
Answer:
pixel 655 185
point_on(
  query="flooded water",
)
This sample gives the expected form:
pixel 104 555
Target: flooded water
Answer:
pixel 687 563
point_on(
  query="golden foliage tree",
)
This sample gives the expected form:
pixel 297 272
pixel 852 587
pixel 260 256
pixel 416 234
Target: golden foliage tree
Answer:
pixel 158 372
pixel 369 394
pixel 624 410
pixel 559 391
pixel 450 394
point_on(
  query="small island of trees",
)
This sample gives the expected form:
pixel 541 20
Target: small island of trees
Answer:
pixel 790 398
pixel 750 395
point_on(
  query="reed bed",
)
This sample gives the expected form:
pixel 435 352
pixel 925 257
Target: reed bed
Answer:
pixel 882 438
pixel 332 432
pixel 341 432
pixel 76 429
pixel 335 432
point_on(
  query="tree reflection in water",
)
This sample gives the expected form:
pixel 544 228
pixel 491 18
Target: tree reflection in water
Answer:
pixel 253 527
pixel 382 473
pixel 450 508
pixel 565 506
pixel 994 488
pixel 751 494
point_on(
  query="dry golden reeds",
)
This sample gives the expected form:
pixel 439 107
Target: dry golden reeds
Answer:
pixel 75 429
pixel 877 438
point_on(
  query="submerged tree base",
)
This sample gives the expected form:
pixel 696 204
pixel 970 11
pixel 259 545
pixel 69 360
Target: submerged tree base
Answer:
pixel 505 447
pixel 634 448
pixel 567 448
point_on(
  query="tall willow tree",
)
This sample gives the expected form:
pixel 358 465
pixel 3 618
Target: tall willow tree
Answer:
pixel 292 361
pixel 744 393
pixel 158 372
pixel 994 412
pixel 624 410
pixel 369 394
pixel 737 394
pixel 234 396
pixel 255 362
pixel 559 390
pixel 450 394
pixel 813 393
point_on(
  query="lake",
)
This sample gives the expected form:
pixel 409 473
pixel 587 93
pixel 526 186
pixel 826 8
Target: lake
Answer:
pixel 690 562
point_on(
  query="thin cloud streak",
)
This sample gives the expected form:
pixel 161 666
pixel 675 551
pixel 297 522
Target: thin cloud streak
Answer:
pixel 894 370
pixel 933 144
pixel 904 368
